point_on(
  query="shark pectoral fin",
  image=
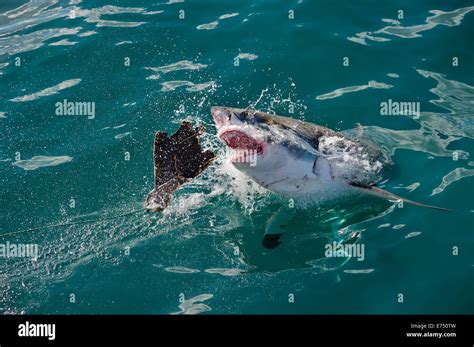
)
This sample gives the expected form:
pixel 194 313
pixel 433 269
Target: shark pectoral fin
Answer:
pixel 271 241
pixel 373 190
pixel 276 226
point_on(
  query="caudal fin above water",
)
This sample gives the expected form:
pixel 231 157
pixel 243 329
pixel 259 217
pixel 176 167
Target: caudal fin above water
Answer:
pixel 373 190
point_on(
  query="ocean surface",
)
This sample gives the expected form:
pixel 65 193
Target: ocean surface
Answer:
pixel 75 184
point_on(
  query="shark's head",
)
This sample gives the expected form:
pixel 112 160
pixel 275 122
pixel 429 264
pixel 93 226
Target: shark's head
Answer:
pixel 247 134
pixel 263 149
pixel 240 130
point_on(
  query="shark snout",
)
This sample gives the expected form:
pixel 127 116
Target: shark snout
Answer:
pixel 220 115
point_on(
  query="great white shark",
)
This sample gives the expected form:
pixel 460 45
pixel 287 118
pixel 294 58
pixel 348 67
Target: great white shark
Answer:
pixel 300 160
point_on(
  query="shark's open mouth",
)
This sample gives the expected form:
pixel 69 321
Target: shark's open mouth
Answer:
pixel 239 140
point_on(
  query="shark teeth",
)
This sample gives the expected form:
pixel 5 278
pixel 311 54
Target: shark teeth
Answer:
pixel 239 140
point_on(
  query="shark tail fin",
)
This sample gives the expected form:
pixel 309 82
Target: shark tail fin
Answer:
pixel 373 190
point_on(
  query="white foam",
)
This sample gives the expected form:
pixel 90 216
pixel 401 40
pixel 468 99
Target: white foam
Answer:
pixel 348 159
pixel 238 186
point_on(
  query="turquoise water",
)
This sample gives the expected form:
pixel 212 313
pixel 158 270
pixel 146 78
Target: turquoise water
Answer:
pixel 146 68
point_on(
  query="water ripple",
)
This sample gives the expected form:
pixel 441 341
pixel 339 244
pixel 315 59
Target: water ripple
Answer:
pixel 41 161
pixel 451 177
pixel 195 305
pixel 48 91
pixel 449 19
pixel 212 25
pixel 341 91
pixel 12 45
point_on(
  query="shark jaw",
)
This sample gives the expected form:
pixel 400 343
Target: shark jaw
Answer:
pixel 245 147
pixel 237 139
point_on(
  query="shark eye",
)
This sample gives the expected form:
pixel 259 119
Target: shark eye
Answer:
pixel 230 116
pixel 244 116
